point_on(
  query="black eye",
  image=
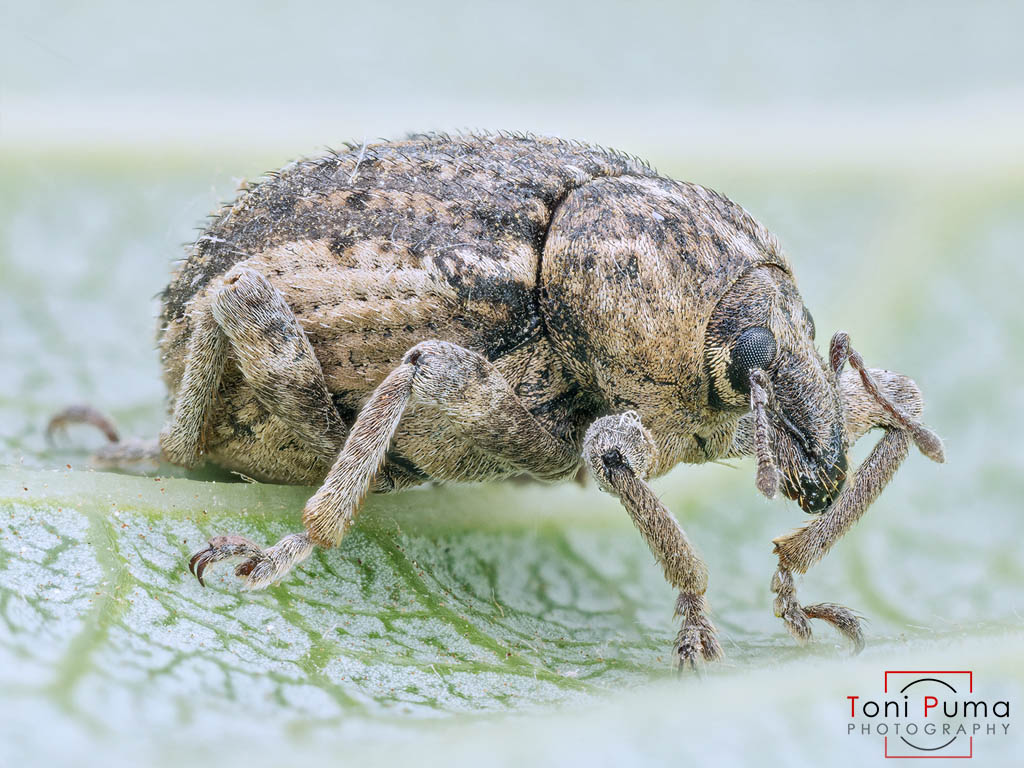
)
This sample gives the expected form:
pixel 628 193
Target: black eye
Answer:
pixel 755 348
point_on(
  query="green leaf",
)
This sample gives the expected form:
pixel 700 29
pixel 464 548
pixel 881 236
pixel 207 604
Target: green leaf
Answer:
pixel 439 603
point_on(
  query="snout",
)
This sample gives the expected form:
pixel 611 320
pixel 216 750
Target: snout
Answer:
pixel 811 454
pixel 816 485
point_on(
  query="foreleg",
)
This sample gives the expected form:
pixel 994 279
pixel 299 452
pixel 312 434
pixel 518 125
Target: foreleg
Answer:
pixel 619 451
pixel 871 398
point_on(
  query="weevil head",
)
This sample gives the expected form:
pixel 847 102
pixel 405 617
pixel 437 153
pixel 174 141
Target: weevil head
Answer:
pixel 761 322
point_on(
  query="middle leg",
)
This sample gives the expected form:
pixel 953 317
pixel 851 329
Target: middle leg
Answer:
pixel 470 393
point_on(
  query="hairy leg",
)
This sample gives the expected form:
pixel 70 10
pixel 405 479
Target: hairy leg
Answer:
pixel 871 398
pixel 277 359
pixel 118 452
pixel 470 392
pixel 248 318
pixel 799 550
pixel 82 414
pixel 181 440
pixel 128 452
pixel 619 451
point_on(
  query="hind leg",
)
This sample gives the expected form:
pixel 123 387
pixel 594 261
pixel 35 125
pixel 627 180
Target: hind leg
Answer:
pixel 117 453
pixel 249 319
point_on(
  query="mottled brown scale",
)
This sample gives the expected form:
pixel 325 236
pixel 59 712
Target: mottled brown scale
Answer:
pixel 641 344
pixel 381 247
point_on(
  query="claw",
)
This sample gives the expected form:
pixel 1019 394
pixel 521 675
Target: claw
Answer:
pixel 192 566
pixel 221 548
pixel 843 619
pixel 685 664
pixel 797 617
pixel 204 560
pixel 697 637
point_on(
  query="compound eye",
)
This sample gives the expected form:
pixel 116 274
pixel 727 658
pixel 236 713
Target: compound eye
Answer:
pixel 755 348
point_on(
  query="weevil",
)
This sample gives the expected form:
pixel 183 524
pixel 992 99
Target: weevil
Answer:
pixel 473 308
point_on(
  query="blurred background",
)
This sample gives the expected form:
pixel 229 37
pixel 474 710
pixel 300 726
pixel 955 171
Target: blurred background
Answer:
pixel 882 142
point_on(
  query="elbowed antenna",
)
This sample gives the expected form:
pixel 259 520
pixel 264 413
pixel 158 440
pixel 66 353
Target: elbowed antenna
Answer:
pixel 929 443
pixel 767 473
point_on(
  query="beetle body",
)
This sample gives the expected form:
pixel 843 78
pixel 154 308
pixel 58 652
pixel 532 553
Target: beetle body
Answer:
pixel 582 275
pixel 480 307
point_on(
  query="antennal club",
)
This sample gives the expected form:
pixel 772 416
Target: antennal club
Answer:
pixel 926 441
